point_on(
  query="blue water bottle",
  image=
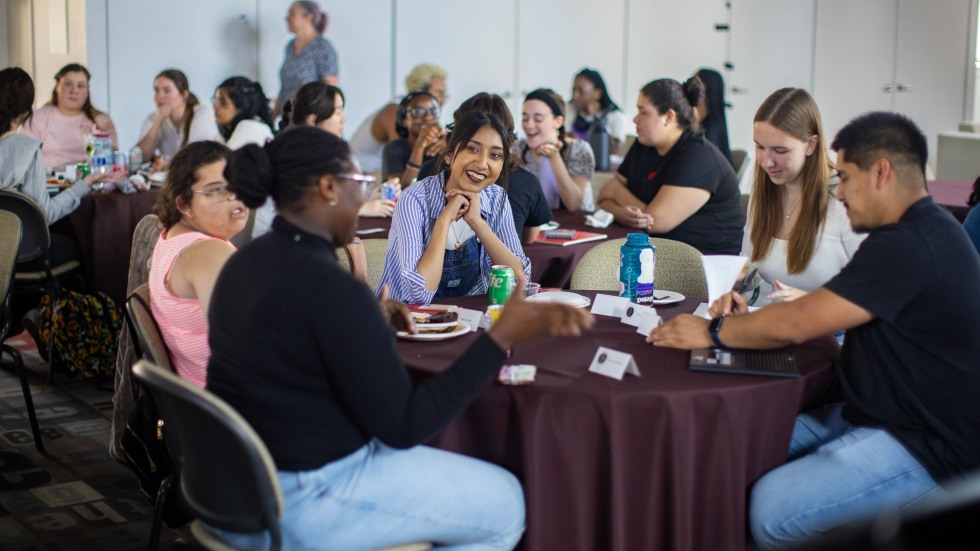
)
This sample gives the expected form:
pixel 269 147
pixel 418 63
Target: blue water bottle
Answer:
pixel 637 262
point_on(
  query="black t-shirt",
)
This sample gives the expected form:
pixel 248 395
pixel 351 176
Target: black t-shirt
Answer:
pixel 524 193
pixel 395 156
pixel 300 348
pixel 716 228
pixel 915 368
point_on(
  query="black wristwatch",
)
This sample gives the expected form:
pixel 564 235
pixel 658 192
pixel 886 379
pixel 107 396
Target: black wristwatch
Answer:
pixel 713 328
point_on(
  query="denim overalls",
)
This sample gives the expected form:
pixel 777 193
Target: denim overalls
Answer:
pixel 460 270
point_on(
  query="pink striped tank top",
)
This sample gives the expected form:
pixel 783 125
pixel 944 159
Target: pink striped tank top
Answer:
pixel 181 320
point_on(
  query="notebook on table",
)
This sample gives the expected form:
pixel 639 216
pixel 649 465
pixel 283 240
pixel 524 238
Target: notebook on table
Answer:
pixel 566 237
pixel 748 362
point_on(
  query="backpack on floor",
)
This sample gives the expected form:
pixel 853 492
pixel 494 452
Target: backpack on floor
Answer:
pixel 86 333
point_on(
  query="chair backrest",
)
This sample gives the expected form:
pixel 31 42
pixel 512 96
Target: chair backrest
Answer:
pixel 35 237
pixel 242 238
pixel 678 268
pixel 958 156
pixel 375 251
pixel 227 477
pixel 352 258
pixel 151 344
pixel 739 157
pixel 9 244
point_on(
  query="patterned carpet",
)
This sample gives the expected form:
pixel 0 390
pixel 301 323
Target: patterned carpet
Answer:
pixel 76 497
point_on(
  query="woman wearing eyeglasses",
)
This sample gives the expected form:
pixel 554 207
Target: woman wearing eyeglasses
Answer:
pixel 421 137
pixel 199 215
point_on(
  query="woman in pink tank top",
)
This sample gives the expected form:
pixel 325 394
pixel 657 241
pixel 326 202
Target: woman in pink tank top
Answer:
pixel 199 215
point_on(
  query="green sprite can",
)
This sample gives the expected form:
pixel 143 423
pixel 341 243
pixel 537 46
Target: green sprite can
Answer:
pixel 502 283
pixel 82 170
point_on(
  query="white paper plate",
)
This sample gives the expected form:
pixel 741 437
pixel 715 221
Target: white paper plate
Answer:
pixel 461 329
pixel 422 326
pixel 666 297
pixel 562 297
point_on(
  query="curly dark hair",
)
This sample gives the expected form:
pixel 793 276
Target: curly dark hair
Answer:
pixel 181 175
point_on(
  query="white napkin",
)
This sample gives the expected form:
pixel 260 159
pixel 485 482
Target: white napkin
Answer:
pixel 720 272
pixel 599 219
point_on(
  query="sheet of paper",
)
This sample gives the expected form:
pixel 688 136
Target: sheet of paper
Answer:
pixel 720 272
pixel 610 305
pixel 647 323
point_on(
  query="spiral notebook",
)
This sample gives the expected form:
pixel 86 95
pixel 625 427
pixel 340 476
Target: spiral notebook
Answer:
pixel 748 362
pixel 566 237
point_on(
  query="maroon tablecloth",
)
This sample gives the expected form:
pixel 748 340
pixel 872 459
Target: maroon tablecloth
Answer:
pixel 661 461
pixel 103 225
pixel 551 265
pixel 952 194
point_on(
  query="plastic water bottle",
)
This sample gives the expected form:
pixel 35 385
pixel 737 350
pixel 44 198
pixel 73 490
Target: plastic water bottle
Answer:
pixel 135 159
pixel 637 264
pixel 599 139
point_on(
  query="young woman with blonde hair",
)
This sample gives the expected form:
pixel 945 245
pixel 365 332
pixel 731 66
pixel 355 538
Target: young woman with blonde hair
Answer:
pixel 797 233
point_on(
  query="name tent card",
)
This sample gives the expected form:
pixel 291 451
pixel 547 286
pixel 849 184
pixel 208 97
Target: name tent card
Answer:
pixel 614 364
pixel 634 313
pixel 610 305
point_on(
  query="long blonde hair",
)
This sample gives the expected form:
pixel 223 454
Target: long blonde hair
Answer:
pixel 793 111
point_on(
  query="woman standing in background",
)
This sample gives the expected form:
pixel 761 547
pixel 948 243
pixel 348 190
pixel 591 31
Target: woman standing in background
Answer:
pixel 309 56
pixel 62 123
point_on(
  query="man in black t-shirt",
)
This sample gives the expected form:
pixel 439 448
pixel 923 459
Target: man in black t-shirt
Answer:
pixel 910 365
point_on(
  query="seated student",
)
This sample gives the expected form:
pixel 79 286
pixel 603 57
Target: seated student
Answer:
pixel 591 103
pixel 910 420
pixel 797 233
pixel 711 111
pixel 524 193
pixel 563 166
pixel 22 160
pixel 450 228
pixel 180 119
pixel 302 350
pixel 420 138
pixel 378 129
pixel 322 105
pixel 673 182
pixel 199 215
pixel 242 113
pixel 972 222
pixel 62 123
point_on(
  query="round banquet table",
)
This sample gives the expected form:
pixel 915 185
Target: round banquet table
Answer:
pixel 103 225
pixel 551 265
pixel 660 461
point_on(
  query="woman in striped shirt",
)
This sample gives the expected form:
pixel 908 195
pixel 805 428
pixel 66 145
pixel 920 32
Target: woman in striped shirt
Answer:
pixel 448 229
pixel 199 214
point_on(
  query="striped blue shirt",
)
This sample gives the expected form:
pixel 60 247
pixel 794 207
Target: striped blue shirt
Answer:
pixel 411 228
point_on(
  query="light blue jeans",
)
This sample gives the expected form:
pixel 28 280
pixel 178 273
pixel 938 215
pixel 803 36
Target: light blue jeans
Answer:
pixel 838 474
pixel 380 496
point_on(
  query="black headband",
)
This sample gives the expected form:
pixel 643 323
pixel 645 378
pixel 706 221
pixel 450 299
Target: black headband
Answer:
pixel 541 95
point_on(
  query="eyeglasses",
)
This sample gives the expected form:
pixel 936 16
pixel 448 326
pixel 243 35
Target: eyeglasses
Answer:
pixel 218 193
pixel 221 102
pixel 419 112
pixel 361 178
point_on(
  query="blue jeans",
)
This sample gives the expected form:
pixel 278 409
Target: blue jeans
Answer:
pixel 839 474
pixel 380 496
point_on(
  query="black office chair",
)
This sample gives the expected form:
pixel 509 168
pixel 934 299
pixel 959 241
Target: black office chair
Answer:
pixel 227 479
pixel 35 244
pixel 10 240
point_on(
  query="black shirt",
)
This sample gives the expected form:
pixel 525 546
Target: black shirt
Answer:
pixel 300 348
pixel 395 156
pixel 915 368
pixel 716 228
pixel 524 192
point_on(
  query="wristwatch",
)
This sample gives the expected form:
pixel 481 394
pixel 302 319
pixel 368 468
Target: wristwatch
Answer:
pixel 713 328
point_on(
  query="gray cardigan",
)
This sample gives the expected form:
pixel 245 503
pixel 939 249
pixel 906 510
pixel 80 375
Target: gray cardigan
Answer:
pixel 22 169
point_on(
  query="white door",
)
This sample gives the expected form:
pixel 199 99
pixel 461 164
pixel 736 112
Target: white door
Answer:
pixel 556 41
pixel 772 48
pixel 854 59
pixel 671 39
pixel 473 42
pixel 932 63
